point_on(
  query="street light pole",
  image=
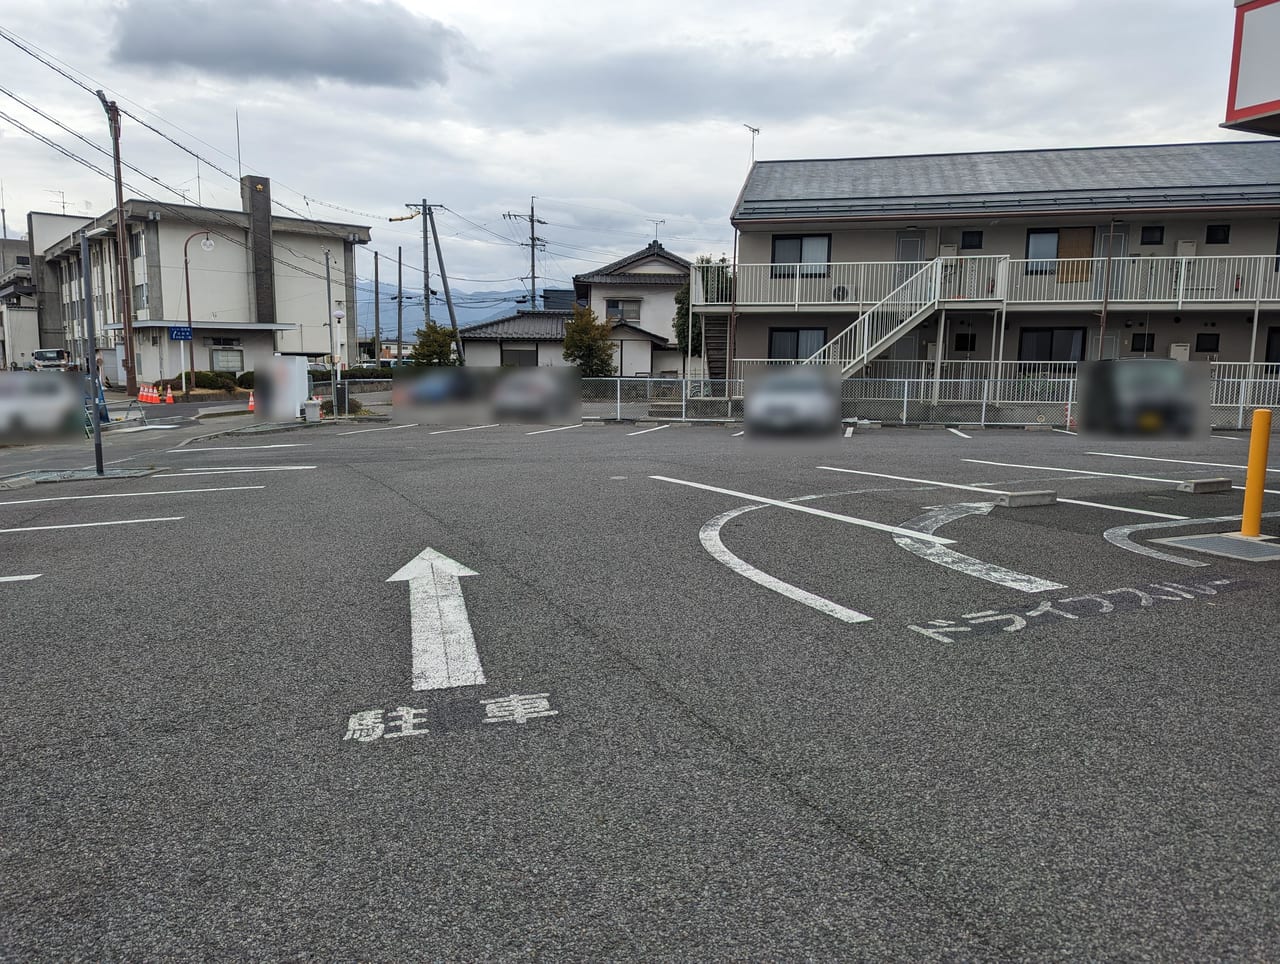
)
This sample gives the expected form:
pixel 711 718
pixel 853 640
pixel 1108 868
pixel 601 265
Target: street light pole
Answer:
pixel 333 348
pixel 92 360
pixel 207 244
pixel 122 250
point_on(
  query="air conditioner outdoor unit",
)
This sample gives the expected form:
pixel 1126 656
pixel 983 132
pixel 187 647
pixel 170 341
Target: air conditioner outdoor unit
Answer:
pixel 839 293
pixel 1186 249
pixel 1181 351
pixel 948 250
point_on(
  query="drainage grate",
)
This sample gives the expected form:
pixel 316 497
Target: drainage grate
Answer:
pixel 1230 546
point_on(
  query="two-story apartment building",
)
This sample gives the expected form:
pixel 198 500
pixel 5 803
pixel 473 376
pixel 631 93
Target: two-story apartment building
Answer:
pixel 253 284
pixel 954 265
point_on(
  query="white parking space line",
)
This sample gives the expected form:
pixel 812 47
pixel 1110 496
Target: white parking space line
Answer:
pixel 991 491
pixel 738 434
pixel 848 432
pixel 1054 468
pixel 469 428
pixel 1229 438
pixel 189 473
pixel 36 575
pixel 558 428
pixel 709 536
pixel 387 428
pixel 1151 458
pixel 237 448
pixel 646 431
pixel 1063 431
pixel 91 525
pixel 132 495
pixel 141 428
pixel 956 431
pixel 809 510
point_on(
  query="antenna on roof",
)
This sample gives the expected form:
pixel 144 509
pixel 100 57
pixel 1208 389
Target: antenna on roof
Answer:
pixel 657 222
pixel 754 132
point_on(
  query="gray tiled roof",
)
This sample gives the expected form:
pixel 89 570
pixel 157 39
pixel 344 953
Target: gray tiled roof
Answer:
pixel 634 278
pixel 1097 178
pixel 652 249
pixel 523 326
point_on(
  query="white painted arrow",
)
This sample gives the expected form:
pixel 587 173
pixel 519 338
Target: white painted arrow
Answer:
pixel 444 649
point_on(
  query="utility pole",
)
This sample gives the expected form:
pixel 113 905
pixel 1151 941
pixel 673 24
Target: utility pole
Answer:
pixel 444 280
pixel 125 300
pixel 377 314
pixel 534 243
pixel 399 305
pixel 426 264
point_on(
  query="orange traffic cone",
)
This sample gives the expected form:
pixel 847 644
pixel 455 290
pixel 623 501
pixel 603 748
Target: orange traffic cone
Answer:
pixel 251 399
pixel 168 396
pixel 144 394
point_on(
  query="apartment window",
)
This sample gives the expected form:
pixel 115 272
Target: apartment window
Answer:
pixel 520 357
pixel 140 296
pixel 136 249
pixel 619 309
pixel 227 360
pixel 795 343
pixel 1042 250
pixel 970 240
pixel 966 341
pixel 1051 344
pixel 1153 234
pixel 23 259
pixel 810 252
pixel 1208 341
pixel 1217 234
pixel 223 342
pixel 1143 341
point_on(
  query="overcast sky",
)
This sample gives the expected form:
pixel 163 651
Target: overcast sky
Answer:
pixel 612 114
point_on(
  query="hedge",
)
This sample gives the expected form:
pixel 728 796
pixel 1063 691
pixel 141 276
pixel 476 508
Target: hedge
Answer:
pixel 217 381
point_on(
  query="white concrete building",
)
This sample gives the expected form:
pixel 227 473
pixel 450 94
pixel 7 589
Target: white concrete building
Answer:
pixel 257 284
pixel 19 334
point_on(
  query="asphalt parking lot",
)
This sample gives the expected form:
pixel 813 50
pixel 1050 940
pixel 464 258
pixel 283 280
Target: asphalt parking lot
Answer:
pixel 738 701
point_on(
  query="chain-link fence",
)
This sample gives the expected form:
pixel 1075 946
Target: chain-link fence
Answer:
pixel 1028 400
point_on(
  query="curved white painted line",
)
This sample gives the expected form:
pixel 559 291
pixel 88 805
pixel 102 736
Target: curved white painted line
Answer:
pixel 939 516
pixel 709 536
pixel 1118 536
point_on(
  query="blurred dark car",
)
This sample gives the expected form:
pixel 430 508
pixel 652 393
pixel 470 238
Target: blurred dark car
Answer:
pixel 1151 397
pixel 798 401
pixel 446 385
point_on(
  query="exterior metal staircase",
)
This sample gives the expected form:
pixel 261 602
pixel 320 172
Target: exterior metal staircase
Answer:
pixel 884 323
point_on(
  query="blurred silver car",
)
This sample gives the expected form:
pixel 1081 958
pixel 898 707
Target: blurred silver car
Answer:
pixel 37 405
pixel 796 401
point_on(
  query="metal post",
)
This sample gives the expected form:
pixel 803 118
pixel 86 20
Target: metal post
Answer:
pixel 92 361
pixel 444 282
pixel 533 256
pixel 1106 287
pixel 333 349
pixel 377 314
pixel 1256 477
pixel 428 226
pixel 1071 397
pixel 122 250
pixel 986 388
pixel 906 387
pixel 399 306
pixel 617 384
pixel 937 357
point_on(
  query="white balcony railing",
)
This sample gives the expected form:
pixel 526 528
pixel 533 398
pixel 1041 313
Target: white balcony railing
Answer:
pixel 1133 280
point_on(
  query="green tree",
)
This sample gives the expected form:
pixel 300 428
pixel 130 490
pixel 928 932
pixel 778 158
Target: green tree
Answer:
pixel 717 287
pixel 587 344
pixel 434 346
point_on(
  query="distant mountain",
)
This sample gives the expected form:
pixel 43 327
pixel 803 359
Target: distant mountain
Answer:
pixel 471 307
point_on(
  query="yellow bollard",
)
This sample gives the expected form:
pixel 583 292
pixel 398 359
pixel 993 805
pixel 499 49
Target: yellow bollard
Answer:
pixel 1256 479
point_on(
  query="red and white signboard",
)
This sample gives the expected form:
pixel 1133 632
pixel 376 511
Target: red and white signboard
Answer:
pixel 1253 98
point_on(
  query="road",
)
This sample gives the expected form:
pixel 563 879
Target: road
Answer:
pixel 748 701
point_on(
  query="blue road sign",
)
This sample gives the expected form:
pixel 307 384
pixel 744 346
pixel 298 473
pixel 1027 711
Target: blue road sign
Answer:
pixel 179 333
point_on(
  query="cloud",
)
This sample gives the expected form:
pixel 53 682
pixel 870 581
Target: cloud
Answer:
pixel 368 43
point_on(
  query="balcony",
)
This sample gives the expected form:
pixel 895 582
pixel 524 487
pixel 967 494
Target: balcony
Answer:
pixel 856 286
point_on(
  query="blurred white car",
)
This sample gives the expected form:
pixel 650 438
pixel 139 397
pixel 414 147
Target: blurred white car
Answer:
pixel 796 401
pixel 39 404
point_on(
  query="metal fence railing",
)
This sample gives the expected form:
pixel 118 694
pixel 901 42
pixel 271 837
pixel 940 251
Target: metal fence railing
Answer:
pixel 1047 399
